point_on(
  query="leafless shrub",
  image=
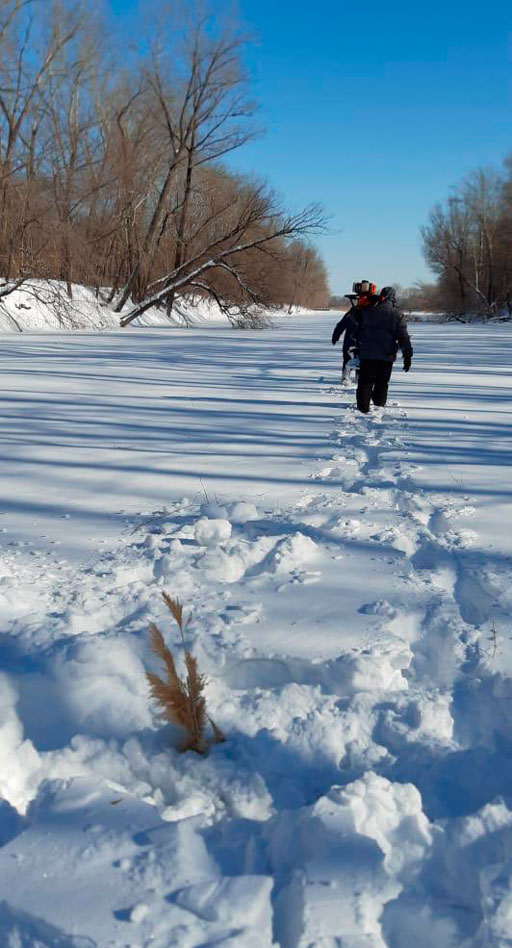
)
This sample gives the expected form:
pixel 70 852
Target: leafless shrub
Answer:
pixel 252 319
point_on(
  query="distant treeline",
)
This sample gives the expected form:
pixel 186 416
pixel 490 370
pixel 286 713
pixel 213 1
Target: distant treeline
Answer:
pixel 467 242
pixel 111 166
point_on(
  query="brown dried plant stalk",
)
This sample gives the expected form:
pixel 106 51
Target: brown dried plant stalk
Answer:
pixel 181 702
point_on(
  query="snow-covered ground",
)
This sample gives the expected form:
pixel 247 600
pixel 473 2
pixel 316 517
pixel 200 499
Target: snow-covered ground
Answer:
pixel 45 306
pixel 348 585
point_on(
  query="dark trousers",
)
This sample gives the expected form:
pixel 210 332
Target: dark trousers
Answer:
pixel 374 376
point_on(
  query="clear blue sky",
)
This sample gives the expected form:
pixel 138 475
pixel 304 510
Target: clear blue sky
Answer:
pixel 375 110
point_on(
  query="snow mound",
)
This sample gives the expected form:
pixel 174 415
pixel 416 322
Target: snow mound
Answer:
pixel 20 764
pixel 104 687
pixel 211 533
pixel 242 512
pixel 214 511
pixel 348 855
pixel 289 553
pixel 221 566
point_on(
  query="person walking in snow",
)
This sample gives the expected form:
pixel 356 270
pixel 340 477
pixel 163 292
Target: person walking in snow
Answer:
pixel 381 332
pixel 365 295
pixel 348 326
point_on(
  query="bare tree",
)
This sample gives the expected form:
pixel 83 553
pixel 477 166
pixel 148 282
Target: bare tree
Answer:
pixel 201 111
pixel 258 225
pixel 421 297
pixel 75 146
pixel 115 177
pixel 308 277
pixel 469 239
pixel 32 40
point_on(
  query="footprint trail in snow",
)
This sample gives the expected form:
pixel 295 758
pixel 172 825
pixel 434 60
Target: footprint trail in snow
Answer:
pixel 350 643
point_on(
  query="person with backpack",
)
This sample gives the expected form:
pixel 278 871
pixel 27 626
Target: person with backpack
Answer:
pixel 364 293
pixel 381 332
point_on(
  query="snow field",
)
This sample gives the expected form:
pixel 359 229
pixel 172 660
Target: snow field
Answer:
pixel 355 630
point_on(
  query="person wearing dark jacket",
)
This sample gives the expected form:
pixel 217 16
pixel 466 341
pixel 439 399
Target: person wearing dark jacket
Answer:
pixel 348 326
pixel 381 331
pixel 364 291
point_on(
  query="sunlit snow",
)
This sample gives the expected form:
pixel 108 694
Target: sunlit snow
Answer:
pixel 347 580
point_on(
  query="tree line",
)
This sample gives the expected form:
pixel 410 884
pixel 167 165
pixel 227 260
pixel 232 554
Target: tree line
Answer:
pixel 467 243
pixel 112 167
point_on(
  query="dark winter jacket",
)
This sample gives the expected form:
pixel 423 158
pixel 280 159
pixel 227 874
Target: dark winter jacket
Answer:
pixel 347 325
pixel 382 330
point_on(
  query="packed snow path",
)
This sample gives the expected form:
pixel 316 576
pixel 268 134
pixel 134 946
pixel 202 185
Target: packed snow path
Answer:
pixel 348 582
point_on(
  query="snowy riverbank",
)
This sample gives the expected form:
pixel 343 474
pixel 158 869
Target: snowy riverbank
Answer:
pixel 44 306
pixel 352 612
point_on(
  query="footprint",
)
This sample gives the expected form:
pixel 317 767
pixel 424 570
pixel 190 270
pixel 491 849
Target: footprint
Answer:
pixel 394 537
pixel 242 615
pixel 475 597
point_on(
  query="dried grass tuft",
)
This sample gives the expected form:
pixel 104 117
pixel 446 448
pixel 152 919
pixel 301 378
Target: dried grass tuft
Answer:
pixel 182 702
pixel 176 609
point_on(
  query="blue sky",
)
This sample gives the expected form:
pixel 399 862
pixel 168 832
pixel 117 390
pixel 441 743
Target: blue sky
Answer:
pixel 375 111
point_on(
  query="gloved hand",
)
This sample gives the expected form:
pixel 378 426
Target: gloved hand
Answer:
pixel 407 363
pixel 335 337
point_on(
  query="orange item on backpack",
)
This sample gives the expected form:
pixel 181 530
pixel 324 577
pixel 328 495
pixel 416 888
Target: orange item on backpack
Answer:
pixel 364 300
